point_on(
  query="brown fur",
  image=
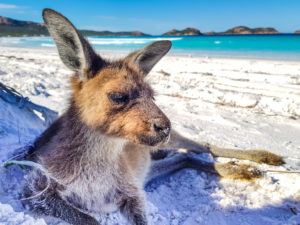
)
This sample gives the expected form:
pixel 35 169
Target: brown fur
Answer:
pixel 237 171
pixel 98 112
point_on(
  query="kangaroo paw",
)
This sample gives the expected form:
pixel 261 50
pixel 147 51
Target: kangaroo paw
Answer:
pixel 237 171
pixel 262 156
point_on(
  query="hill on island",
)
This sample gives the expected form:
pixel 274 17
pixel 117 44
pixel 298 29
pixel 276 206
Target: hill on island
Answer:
pixel 189 31
pixel 247 30
pixel 16 28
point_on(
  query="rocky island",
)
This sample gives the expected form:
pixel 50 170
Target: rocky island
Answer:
pixel 189 31
pixel 247 30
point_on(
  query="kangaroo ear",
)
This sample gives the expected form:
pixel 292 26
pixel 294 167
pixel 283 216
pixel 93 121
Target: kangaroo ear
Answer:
pixel 146 58
pixel 74 51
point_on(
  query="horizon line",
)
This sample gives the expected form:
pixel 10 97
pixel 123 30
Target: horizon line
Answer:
pixel 178 29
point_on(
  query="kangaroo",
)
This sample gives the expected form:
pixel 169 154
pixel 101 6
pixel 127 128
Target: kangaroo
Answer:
pixel 98 153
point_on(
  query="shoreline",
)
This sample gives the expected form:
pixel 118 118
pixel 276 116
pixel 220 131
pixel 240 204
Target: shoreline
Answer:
pixel 253 47
pixel 178 53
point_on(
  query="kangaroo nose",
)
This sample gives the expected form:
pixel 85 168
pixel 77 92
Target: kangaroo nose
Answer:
pixel 162 129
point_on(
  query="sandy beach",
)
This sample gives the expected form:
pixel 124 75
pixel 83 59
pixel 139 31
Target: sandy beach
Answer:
pixel 242 103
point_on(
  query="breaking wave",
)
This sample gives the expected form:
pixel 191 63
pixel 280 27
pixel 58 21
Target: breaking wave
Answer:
pixel 47 45
pixel 48 42
pixel 127 41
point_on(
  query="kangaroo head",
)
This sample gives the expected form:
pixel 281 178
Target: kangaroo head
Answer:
pixel 111 97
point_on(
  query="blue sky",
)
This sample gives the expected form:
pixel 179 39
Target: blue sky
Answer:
pixel 156 17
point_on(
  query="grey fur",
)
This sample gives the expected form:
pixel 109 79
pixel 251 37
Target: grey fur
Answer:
pixel 87 174
pixel 74 51
pixel 146 58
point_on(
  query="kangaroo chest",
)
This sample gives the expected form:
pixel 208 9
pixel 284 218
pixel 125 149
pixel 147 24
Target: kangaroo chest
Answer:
pixel 94 191
pixel 96 188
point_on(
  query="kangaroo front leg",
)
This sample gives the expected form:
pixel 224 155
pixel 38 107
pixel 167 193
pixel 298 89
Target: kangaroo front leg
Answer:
pixel 133 208
pixel 70 214
pixel 259 156
pixel 51 204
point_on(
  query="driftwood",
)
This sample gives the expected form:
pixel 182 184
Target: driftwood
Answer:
pixel 12 96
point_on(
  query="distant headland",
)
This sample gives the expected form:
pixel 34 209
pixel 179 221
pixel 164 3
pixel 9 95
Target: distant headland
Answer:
pixel 16 28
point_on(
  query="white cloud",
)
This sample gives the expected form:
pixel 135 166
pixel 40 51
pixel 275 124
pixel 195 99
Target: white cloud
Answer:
pixel 7 6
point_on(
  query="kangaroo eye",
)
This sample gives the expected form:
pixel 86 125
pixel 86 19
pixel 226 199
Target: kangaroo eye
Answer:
pixel 118 98
pixel 135 94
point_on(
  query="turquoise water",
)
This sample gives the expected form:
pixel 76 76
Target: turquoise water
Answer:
pixel 282 47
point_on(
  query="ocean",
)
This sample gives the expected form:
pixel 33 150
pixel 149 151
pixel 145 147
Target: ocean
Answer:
pixel 273 47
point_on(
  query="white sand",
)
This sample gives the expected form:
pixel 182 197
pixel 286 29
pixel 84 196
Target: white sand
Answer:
pixel 227 102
